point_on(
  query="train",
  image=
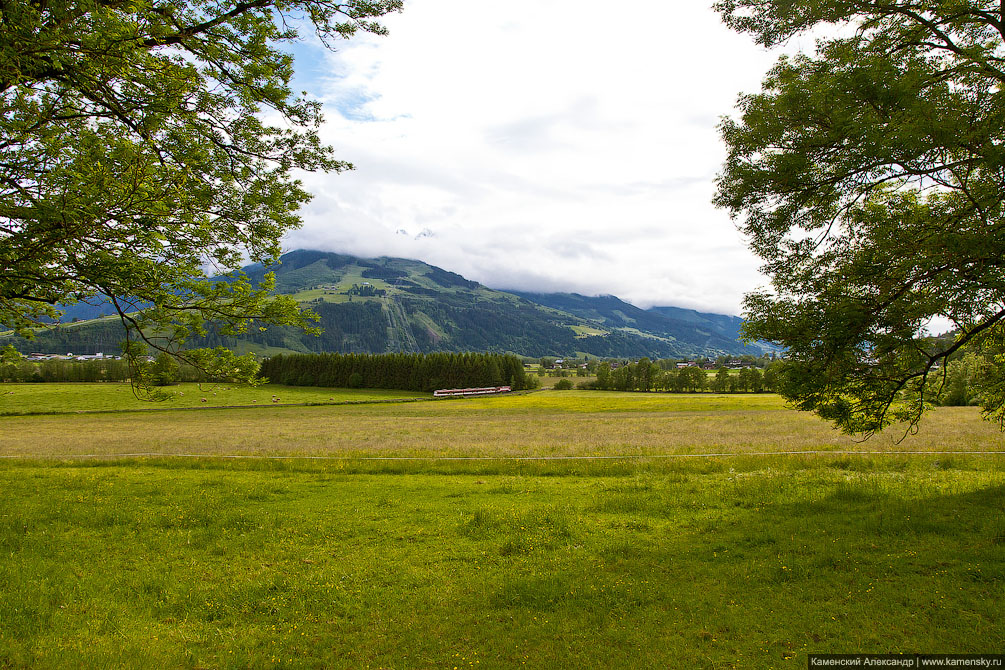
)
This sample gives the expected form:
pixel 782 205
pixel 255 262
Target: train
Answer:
pixel 485 390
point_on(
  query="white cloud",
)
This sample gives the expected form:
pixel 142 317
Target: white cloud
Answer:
pixel 566 148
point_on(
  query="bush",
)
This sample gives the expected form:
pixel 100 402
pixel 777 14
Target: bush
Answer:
pixel 563 385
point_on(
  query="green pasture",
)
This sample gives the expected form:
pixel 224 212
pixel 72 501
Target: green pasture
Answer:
pixel 585 331
pixel 83 397
pixel 418 535
pixel 327 295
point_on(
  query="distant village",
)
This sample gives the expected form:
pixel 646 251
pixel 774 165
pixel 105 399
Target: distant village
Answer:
pixel 364 290
pixel 72 357
pixel 703 363
pixel 556 364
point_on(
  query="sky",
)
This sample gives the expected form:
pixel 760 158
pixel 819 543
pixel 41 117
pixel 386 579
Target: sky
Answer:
pixel 567 146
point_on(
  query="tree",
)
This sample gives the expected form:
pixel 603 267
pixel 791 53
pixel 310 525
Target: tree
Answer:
pixel 720 382
pixel 604 376
pixel 677 380
pixel 645 375
pixel 148 144
pixel 623 379
pixel 10 361
pixel 694 378
pixel 870 178
pixel 960 381
pixel 164 370
pixel 770 377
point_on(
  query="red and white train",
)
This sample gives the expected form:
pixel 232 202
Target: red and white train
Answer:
pixel 487 390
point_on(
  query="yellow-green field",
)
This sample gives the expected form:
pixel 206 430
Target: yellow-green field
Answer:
pixel 99 397
pixel 541 424
pixel 419 535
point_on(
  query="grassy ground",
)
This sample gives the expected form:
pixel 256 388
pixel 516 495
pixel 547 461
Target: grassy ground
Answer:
pixel 50 398
pixel 549 381
pixel 746 561
pixel 547 424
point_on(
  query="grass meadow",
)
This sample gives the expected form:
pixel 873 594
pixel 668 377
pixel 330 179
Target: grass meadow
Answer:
pixel 103 397
pixel 548 530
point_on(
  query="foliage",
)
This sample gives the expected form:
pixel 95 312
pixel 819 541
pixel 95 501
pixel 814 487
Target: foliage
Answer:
pixel 218 366
pixel 563 385
pixel 720 383
pixel 164 370
pixel 10 361
pixel 870 177
pixel 960 381
pixel 647 376
pixel 411 372
pixel 24 370
pixel 143 142
pixel 750 379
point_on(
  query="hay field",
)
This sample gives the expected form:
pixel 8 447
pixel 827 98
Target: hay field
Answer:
pixel 544 424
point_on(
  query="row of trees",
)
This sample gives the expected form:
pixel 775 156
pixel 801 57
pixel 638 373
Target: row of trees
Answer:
pixel 409 372
pixel 589 366
pixel 648 376
pixel 962 382
pixel 64 371
pixel 162 371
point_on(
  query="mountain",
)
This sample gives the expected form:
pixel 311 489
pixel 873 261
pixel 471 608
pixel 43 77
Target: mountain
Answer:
pixel 705 332
pixel 394 304
pixel 720 324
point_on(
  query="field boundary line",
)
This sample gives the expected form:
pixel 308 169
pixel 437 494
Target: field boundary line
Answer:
pixel 290 457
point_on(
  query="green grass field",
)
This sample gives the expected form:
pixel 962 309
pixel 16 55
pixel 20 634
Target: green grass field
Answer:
pixel 83 397
pixel 343 538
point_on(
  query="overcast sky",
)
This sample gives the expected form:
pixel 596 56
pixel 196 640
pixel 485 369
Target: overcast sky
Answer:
pixel 559 145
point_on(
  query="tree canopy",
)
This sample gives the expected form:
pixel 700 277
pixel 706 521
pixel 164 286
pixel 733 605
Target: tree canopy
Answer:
pixel 869 176
pixel 146 145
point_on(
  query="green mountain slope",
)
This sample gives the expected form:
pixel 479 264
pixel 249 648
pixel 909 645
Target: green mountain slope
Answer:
pixel 393 304
pixel 690 329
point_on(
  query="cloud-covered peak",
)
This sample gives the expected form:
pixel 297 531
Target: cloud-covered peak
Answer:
pixel 564 148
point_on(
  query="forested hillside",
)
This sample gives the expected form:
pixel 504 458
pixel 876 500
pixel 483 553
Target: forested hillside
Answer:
pixel 688 328
pixel 396 305
pixel 410 372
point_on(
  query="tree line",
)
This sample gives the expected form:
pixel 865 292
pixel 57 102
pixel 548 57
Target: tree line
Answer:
pixel 163 371
pixel 646 375
pixel 962 382
pixel 407 372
